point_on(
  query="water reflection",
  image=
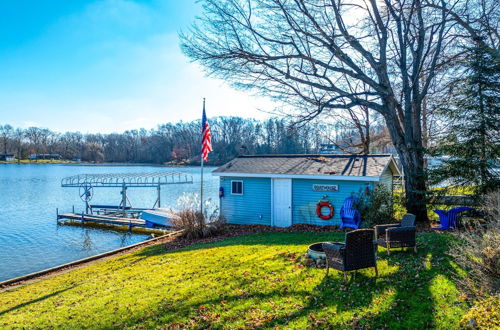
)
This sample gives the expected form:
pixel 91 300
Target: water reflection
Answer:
pixel 87 241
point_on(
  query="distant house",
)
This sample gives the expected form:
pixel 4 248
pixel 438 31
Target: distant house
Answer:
pixel 330 149
pixel 44 156
pixel 281 190
pixel 4 156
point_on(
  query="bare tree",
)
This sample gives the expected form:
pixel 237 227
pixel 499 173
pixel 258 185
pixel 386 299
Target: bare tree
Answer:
pixel 354 129
pixel 312 51
pixel 479 20
pixel 18 143
pixel 6 132
pixel 94 151
pixel 35 137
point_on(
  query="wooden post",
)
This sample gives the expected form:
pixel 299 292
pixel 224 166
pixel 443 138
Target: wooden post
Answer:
pixel 124 198
pixel 159 194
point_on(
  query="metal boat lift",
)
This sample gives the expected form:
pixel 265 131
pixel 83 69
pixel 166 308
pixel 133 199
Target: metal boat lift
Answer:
pixel 87 182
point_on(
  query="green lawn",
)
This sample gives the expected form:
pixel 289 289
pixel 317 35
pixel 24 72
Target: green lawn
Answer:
pixel 249 281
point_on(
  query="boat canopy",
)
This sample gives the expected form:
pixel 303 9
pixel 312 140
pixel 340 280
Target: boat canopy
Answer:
pixel 154 179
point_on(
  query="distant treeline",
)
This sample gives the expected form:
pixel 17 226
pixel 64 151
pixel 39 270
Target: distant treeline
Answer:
pixel 174 143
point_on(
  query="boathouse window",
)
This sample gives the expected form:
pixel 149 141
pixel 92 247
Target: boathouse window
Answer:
pixel 237 187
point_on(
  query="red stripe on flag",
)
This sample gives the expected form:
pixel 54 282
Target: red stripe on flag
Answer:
pixel 206 142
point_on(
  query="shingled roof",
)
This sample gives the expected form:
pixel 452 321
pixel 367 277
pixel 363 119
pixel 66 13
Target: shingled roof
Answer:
pixel 322 165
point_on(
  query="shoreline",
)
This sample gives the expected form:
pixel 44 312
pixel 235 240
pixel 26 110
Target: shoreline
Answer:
pixel 52 271
pixel 74 163
pixel 170 243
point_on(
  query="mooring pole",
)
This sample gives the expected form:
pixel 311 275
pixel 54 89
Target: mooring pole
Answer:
pixel 124 197
pixel 159 194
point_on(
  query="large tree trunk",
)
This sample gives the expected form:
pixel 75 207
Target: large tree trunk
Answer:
pixel 415 187
pixel 411 156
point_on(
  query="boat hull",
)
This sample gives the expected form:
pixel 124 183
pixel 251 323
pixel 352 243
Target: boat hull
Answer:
pixel 156 217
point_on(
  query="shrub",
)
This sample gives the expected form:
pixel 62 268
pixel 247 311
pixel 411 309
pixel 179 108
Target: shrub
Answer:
pixel 478 252
pixel 485 314
pixel 193 223
pixel 491 206
pixel 377 207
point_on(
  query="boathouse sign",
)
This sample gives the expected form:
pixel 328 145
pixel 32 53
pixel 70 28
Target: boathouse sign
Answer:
pixel 326 187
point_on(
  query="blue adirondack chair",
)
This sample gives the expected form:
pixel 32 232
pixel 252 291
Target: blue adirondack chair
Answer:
pixel 449 219
pixel 349 214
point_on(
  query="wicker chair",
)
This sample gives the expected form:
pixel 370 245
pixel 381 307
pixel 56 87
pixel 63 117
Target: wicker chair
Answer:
pixel 398 235
pixel 359 251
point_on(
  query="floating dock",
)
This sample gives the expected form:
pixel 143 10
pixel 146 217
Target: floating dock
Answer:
pixel 109 220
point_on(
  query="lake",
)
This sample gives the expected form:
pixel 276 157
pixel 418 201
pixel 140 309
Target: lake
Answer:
pixel 31 240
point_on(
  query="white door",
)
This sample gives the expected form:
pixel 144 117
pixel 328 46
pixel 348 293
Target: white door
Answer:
pixel 282 202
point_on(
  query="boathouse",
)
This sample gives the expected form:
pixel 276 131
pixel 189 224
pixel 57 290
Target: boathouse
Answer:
pixel 4 156
pixel 281 190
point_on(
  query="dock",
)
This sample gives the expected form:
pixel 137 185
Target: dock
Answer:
pixel 122 214
pixel 109 220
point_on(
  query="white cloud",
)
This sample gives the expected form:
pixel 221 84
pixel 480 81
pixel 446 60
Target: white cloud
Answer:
pixel 29 123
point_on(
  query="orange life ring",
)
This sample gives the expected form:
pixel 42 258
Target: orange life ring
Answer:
pixel 320 206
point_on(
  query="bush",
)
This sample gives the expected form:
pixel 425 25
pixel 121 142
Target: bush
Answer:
pixel 378 207
pixel 491 206
pixel 485 314
pixel 193 223
pixel 478 252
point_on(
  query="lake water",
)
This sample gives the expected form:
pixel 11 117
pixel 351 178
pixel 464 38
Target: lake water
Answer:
pixel 31 240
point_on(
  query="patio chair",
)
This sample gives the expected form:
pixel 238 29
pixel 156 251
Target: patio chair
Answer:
pixel 397 235
pixel 349 214
pixel 449 219
pixel 359 251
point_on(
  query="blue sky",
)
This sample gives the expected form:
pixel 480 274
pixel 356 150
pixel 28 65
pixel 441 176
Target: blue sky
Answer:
pixel 105 66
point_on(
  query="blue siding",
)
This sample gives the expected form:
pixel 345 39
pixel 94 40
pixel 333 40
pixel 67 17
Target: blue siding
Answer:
pixel 304 199
pixel 253 207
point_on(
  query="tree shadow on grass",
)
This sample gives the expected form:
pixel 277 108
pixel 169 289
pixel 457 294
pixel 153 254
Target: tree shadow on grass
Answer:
pixel 406 278
pixel 361 302
pixel 266 238
pixel 50 295
pixel 415 303
pixel 209 313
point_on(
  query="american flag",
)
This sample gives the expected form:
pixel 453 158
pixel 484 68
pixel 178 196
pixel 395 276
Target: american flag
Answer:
pixel 206 144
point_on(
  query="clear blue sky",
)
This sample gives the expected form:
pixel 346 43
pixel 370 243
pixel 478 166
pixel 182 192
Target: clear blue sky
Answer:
pixel 105 66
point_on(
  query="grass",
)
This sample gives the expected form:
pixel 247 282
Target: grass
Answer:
pixel 400 209
pixel 248 281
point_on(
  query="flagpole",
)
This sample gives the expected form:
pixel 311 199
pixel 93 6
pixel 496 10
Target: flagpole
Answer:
pixel 201 184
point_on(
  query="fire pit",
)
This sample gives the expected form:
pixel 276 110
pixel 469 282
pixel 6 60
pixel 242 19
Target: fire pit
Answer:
pixel 316 252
